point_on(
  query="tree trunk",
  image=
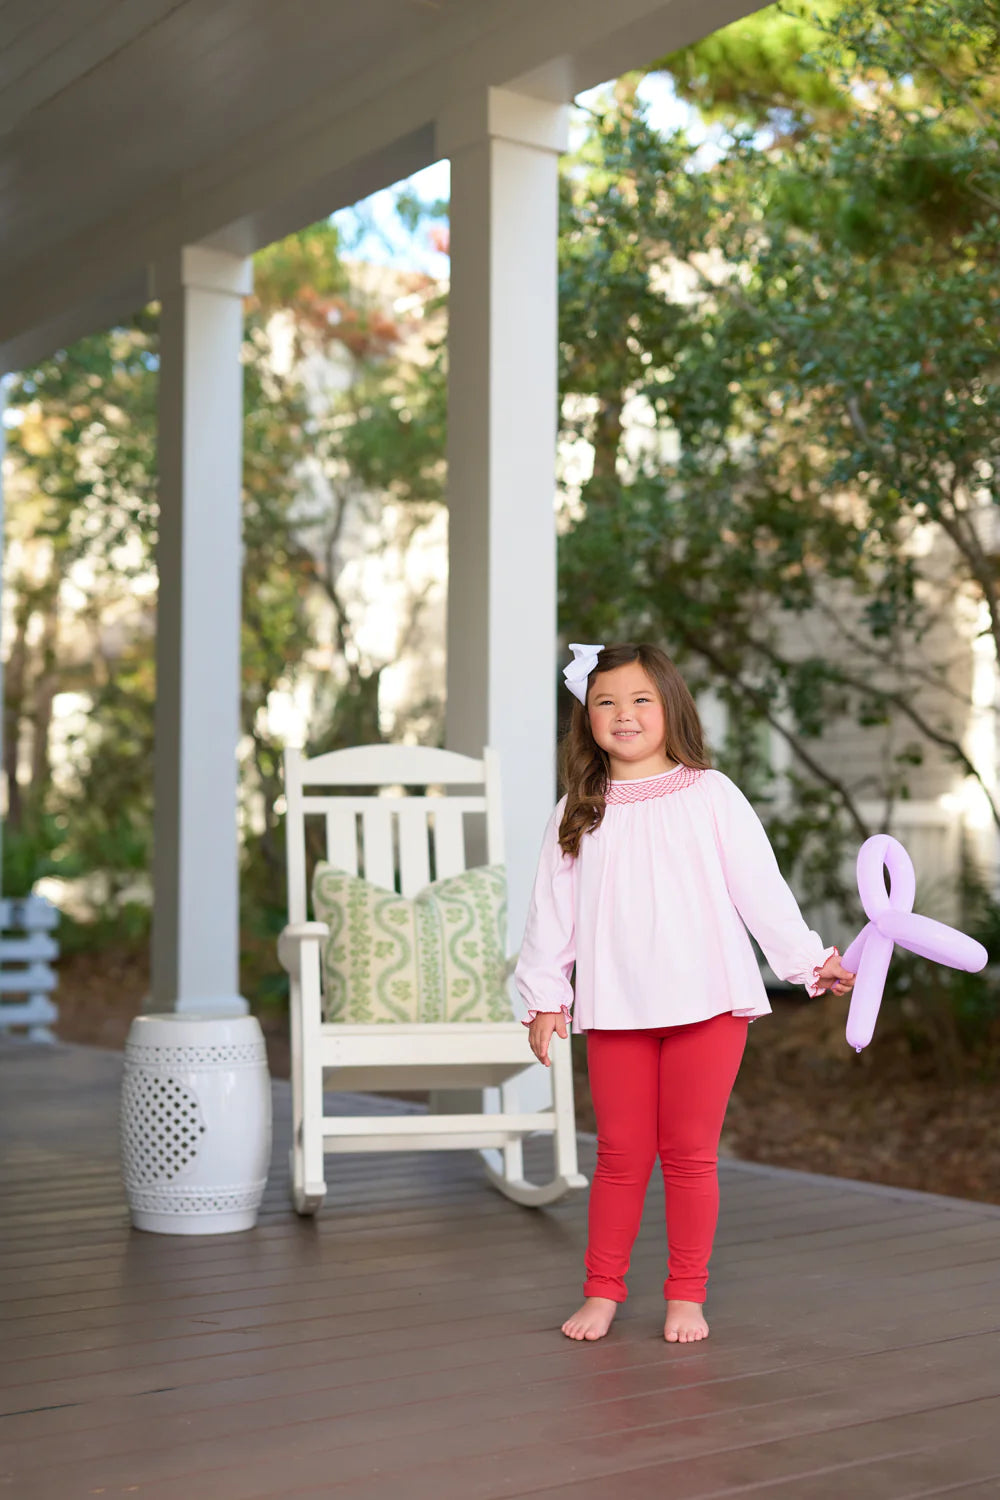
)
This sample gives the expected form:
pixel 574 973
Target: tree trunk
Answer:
pixel 46 687
pixel 15 680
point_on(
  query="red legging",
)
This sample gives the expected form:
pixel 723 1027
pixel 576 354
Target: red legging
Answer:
pixel 659 1092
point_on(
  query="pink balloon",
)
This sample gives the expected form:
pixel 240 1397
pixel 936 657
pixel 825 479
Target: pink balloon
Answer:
pixel 867 995
pixel 877 854
pixel 933 940
pixel 852 958
pixel 892 920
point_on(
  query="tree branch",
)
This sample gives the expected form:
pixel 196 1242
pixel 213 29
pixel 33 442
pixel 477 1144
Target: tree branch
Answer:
pixel 900 702
pixel 960 527
pixel 938 680
pixel 933 66
pixel 763 706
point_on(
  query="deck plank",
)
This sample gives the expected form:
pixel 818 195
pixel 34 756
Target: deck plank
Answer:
pixel 407 1341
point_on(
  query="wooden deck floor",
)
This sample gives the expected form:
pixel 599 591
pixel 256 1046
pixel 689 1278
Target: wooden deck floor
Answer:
pixel 405 1345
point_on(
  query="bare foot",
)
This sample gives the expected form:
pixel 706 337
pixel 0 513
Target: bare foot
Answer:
pixel 685 1323
pixel 593 1320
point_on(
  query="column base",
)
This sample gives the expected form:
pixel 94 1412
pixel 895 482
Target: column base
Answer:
pixel 216 1006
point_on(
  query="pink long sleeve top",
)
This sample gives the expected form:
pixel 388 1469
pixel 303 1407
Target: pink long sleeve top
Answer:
pixel 651 912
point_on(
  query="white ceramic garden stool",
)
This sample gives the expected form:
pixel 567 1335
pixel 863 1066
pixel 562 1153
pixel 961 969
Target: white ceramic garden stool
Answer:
pixel 195 1123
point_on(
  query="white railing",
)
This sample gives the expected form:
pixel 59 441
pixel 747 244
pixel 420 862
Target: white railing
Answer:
pixel 27 978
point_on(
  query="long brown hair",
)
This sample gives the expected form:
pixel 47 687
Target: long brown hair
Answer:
pixel 584 767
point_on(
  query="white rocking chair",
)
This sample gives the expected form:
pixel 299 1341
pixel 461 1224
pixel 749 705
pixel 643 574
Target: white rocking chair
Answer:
pixel 462 1056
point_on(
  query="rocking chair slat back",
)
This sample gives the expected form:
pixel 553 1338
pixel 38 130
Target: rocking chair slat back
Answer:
pixel 449 841
pixel 376 839
pixel 414 848
pixel 406 840
pixel 342 838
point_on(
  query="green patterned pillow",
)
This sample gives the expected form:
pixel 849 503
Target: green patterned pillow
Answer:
pixel 439 957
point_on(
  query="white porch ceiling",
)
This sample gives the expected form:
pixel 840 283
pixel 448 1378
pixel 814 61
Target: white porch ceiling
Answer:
pixel 128 127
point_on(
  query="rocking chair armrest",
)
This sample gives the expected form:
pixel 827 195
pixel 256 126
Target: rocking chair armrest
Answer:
pixel 299 931
pixel 292 938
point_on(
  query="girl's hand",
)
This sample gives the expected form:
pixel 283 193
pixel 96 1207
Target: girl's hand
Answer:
pixel 540 1032
pixel 834 977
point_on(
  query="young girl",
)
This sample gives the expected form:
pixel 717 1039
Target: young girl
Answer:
pixel 650 866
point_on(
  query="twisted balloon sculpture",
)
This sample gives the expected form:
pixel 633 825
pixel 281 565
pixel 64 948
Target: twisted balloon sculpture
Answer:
pixel 891 919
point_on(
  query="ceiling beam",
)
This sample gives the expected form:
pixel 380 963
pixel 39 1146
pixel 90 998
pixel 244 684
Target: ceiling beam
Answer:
pixel 337 149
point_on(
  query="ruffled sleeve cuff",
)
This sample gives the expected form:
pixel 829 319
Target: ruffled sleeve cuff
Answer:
pixel 533 1012
pixel 811 982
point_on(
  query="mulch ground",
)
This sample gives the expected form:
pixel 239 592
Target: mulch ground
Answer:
pixel 803 1098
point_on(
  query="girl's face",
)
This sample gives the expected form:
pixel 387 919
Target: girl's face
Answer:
pixel 628 722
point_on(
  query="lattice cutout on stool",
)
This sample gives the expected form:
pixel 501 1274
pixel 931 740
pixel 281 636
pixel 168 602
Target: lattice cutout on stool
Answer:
pixel 161 1127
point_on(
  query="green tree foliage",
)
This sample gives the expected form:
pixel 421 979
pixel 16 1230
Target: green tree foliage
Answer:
pixel 81 561
pixel 367 443
pixel 803 312
pixel 778 342
pixel 81 530
pixel 765 69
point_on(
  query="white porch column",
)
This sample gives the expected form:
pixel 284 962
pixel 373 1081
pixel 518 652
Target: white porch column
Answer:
pixel 195 876
pixel 502 396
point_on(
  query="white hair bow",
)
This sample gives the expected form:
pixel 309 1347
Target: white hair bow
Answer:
pixel 583 663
